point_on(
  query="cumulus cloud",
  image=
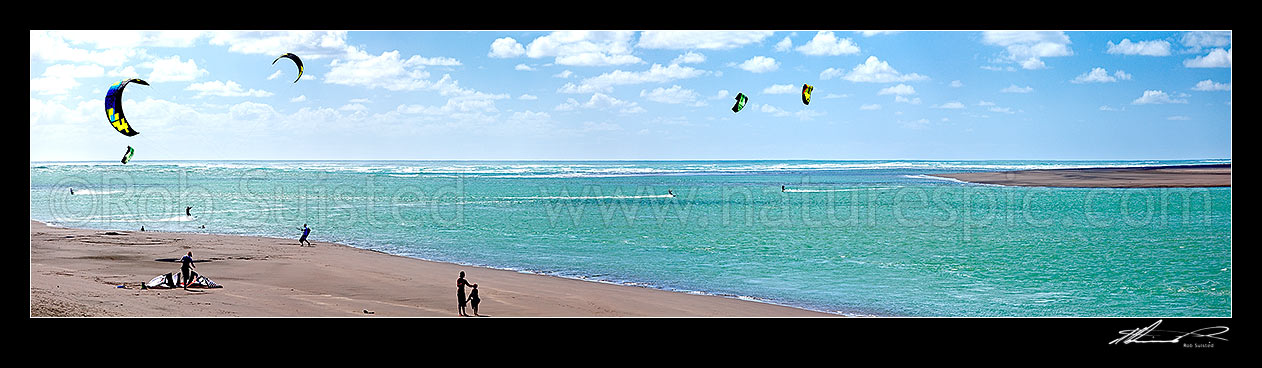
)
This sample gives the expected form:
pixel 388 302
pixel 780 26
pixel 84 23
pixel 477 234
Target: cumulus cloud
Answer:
pixel 307 45
pixel 900 89
pixel 506 47
pixel 673 95
pixel 1156 97
pixel 600 101
pixel 225 89
pixel 700 40
pixel 1100 75
pixel 1028 48
pixel 780 89
pixel 689 58
pixel 874 70
pixel 785 44
pixel 1210 85
pixel 1218 58
pixel 1015 89
pixel 584 48
pixel 1145 48
pixel 173 70
pixel 655 74
pixel 950 105
pixel 759 64
pixel 60 79
pixel 825 43
pixel 1195 41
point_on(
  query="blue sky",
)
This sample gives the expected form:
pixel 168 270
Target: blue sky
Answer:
pixel 431 95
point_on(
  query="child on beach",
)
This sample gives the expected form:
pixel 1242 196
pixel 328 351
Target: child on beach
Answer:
pixel 474 300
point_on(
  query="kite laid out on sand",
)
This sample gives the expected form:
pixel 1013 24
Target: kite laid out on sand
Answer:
pixel 740 102
pixel 173 280
pixel 296 60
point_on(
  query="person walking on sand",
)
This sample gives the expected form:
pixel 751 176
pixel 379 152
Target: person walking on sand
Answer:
pixel 305 231
pixel 460 284
pixel 185 270
pixel 474 300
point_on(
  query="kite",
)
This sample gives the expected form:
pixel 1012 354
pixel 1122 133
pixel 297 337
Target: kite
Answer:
pixel 127 156
pixel 296 60
pixel 806 93
pixel 114 106
pixel 740 102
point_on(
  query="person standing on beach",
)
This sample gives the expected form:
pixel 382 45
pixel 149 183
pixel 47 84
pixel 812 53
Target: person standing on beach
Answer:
pixel 474 300
pixel 185 270
pixel 305 231
pixel 460 284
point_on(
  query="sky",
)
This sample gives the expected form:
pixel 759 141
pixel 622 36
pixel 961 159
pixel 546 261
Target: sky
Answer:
pixel 634 95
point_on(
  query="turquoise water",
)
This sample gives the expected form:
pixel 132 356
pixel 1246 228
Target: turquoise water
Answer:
pixel 850 237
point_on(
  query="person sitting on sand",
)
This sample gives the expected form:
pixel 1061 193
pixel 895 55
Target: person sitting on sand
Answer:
pixel 460 284
pixel 305 231
pixel 186 262
pixel 474 300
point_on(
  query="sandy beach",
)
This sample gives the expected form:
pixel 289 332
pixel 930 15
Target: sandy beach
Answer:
pixel 1191 176
pixel 77 272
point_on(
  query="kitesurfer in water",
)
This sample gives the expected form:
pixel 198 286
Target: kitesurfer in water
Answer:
pixel 187 209
pixel 672 194
pixel 781 188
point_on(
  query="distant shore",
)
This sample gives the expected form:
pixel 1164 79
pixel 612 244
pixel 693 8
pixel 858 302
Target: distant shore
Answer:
pixel 1187 176
pixel 98 273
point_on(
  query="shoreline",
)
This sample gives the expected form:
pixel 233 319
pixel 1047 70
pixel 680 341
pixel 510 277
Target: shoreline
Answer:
pixel 1180 176
pixel 78 272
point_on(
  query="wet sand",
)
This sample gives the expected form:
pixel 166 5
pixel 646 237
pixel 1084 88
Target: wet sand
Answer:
pixel 1191 176
pixel 77 272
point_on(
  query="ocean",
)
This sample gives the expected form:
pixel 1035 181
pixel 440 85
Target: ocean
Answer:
pixel 863 238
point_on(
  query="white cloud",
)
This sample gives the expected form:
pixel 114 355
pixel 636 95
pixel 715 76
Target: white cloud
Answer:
pixel 506 47
pixel 950 105
pixel 528 97
pixel 60 79
pixel 1146 48
pixel 876 71
pixel 564 74
pixel 874 33
pixel 1006 110
pixel 759 64
pixel 1028 48
pixel 387 70
pixel 1210 85
pixel 1015 89
pixel 900 89
pixel 600 101
pixel 300 98
pixel 870 107
pixel 689 58
pixel 831 73
pixel 780 89
pixel 1178 117
pixel 275 75
pixel 985 103
pixel 703 40
pixel 778 112
pixel 54 47
pixel 784 45
pixel 1100 75
pixel 523 67
pixel 956 84
pixel 656 74
pixel 1156 97
pixel 1198 40
pixel 173 70
pixel 307 45
pixel 1218 58
pixel 673 95
pixel 913 101
pixel 584 48
pixel 825 43
pixel 225 89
